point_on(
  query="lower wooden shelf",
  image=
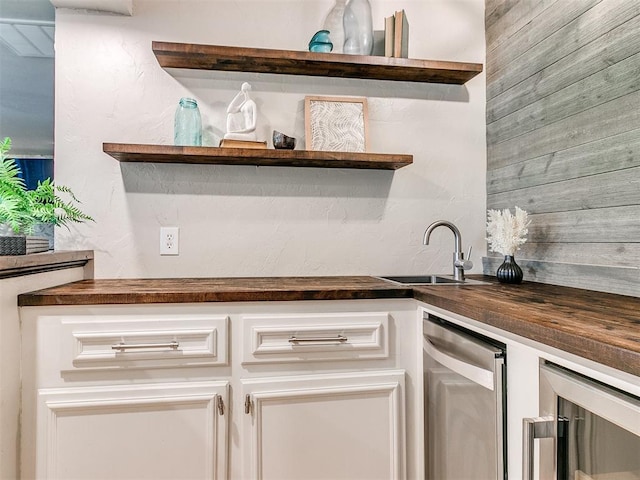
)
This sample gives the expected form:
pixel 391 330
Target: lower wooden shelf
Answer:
pixel 128 152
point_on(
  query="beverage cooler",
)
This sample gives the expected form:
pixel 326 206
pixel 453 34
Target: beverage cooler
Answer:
pixel 587 430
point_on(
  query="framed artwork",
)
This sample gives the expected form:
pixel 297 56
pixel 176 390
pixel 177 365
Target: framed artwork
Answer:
pixel 336 124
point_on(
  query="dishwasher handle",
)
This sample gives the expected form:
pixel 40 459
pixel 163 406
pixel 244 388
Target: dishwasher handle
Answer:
pixel 477 375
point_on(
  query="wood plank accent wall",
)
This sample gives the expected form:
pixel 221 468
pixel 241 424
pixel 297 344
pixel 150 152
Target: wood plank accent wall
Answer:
pixel 563 137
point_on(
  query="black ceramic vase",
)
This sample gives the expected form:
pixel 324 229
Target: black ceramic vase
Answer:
pixel 509 271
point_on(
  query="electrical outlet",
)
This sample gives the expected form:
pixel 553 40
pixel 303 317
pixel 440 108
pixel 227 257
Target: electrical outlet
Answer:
pixel 169 241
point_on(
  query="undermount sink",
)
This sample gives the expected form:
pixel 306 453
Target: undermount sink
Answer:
pixel 421 279
pixel 430 280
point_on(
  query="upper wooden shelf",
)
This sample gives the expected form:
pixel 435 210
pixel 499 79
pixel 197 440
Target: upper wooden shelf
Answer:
pixel 127 152
pixel 289 62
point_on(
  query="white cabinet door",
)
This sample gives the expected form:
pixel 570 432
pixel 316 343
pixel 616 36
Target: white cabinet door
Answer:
pixel 335 426
pixel 159 431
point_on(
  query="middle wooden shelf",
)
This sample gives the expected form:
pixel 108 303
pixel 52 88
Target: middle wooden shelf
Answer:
pixel 141 153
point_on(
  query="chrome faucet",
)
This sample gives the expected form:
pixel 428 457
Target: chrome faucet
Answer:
pixel 459 263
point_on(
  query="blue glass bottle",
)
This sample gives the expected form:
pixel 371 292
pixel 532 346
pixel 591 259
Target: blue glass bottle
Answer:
pixel 187 124
pixel 321 42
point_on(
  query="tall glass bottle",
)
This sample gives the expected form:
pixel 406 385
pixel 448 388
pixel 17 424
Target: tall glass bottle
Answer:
pixel 358 28
pixel 187 124
pixel 333 23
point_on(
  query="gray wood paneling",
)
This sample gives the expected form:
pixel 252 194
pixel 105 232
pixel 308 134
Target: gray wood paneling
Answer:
pixel 494 10
pixel 563 137
pixel 607 155
pixel 583 29
pixel 610 225
pixel 504 20
pixel 618 44
pixel 623 281
pixel 605 254
pixel 606 85
pixel 614 117
pixel 611 189
pixel 541 23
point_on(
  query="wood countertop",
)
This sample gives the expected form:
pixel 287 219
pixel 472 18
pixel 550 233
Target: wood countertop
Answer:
pixel 602 327
pixel 598 326
pixel 195 290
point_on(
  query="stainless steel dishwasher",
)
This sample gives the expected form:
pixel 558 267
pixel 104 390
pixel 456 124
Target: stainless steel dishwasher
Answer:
pixel 464 381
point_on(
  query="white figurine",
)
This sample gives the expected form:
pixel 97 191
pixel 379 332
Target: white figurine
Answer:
pixel 241 116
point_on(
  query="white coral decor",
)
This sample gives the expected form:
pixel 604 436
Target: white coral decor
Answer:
pixel 506 232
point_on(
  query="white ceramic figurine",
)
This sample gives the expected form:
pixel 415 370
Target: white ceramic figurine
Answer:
pixel 241 116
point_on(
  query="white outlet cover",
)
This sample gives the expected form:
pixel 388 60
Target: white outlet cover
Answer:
pixel 169 241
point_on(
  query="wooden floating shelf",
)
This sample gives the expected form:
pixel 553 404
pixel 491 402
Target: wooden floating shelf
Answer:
pixel 289 62
pixel 127 152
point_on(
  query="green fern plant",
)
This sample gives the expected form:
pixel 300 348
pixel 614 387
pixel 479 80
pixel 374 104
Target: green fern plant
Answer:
pixel 22 209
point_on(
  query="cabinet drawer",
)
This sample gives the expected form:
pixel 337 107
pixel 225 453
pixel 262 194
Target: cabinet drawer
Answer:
pixel 313 337
pixel 107 342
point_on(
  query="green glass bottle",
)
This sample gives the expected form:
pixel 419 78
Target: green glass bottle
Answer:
pixel 188 123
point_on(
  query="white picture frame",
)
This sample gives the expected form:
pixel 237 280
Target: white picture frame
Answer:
pixel 336 124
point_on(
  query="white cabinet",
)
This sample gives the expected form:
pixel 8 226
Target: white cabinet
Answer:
pixel 133 432
pixel 337 426
pixel 159 391
pixel 124 393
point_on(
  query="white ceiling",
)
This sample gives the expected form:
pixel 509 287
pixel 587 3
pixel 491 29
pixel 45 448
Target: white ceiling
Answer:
pixel 27 38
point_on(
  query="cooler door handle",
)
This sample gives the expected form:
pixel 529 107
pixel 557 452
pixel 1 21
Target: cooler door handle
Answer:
pixel 532 428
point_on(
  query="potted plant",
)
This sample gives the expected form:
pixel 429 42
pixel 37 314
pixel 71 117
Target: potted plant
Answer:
pixel 21 209
pixel 506 232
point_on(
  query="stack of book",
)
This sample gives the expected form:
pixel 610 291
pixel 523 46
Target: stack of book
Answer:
pixel 396 35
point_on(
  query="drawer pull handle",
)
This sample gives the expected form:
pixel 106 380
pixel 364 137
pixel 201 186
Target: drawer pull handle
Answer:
pixel 336 339
pixel 123 347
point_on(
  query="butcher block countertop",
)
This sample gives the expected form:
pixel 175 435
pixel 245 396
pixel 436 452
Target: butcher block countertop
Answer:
pixel 601 327
pixel 196 290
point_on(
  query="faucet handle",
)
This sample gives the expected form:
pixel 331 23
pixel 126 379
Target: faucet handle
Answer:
pixel 468 264
pixel 465 264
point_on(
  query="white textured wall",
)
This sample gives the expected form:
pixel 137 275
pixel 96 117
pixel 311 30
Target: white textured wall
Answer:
pixel 265 221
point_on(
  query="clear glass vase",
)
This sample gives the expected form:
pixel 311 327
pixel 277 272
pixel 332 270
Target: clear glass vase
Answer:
pixel 358 28
pixel 187 124
pixel 333 23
